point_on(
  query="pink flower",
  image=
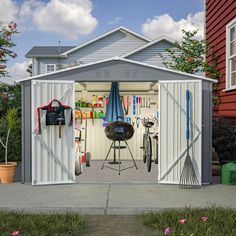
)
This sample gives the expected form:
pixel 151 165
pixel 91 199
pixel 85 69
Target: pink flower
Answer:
pixel 15 233
pixel 167 231
pixel 182 221
pixel 204 218
pixel 2 67
pixel 12 25
pixel 14 55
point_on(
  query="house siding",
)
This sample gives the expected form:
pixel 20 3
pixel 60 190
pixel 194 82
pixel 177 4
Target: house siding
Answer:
pixel 115 44
pixel 152 55
pixel 218 14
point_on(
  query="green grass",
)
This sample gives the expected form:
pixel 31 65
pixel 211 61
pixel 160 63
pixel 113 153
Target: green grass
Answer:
pixel 221 222
pixel 40 224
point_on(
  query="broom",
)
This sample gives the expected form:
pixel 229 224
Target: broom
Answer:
pixel 188 178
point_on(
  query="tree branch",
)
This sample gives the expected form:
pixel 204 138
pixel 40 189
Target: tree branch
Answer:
pixel 2 143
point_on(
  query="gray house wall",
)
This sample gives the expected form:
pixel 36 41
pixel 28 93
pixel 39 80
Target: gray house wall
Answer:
pixel 151 54
pixel 115 44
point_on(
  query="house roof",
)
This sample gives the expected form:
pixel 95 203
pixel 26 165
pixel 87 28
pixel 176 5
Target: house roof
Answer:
pixel 120 28
pixel 157 73
pixel 47 51
pixel 52 51
pixel 157 40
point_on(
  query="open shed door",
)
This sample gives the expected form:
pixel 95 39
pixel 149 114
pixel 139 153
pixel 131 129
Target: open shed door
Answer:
pixel 52 157
pixel 172 123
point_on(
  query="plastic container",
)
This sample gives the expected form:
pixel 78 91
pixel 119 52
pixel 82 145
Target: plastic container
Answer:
pixel 228 173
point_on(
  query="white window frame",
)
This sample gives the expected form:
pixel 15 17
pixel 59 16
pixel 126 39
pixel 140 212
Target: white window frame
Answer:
pixel 228 57
pixel 46 68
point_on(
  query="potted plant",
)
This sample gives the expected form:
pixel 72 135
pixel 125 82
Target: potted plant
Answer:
pixel 7 169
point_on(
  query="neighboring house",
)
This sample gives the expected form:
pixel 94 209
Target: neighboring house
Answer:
pixel 221 35
pixel 120 42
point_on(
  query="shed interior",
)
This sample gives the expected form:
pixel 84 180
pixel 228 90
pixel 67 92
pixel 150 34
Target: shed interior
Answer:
pixel 139 101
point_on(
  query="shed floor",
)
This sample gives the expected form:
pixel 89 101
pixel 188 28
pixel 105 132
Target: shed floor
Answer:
pixel 94 174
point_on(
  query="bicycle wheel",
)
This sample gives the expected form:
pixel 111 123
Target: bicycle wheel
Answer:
pixel 149 153
pixel 145 136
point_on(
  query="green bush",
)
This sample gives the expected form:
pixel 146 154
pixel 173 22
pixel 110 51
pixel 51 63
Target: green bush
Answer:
pixel 10 97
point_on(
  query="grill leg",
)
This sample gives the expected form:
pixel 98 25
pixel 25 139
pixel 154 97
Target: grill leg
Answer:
pixel 119 157
pixel 131 155
pixel 107 155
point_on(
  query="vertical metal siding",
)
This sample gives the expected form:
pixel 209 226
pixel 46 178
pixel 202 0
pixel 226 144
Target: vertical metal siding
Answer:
pixel 206 132
pixel 26 132
pixel 172 129
pixel 46 167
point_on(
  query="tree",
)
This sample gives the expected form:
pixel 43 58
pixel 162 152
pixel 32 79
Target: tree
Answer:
pixel 10 98
pixel 6 44
pixel 188 55
pixel 11 120
pixel 29 69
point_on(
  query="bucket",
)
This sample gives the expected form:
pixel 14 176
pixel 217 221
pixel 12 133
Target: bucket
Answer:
pixel 228 173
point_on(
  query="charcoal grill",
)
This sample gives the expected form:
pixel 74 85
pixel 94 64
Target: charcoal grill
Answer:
pixel 119 131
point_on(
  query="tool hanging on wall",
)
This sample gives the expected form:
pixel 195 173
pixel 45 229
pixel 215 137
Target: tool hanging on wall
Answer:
pixel 138 119
pixel 125 107
pixel 140 104
pixel 133 121
pixel 134 105
pixel 55 114
pixel 137 105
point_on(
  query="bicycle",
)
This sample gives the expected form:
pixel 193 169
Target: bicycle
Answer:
pixel 147 143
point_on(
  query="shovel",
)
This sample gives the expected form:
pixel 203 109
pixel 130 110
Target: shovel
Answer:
pixel 60 122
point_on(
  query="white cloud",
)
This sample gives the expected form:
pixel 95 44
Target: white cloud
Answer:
pixel 166 25
pixel 115 21
pixel 70 18
pixel 8 11
pixel 17 71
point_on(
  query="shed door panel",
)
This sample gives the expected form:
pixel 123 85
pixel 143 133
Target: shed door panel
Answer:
pixel 172 141
pixel 52 157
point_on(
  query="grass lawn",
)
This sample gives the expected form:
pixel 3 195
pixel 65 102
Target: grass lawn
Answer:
pixel 40 224
pixel 211 221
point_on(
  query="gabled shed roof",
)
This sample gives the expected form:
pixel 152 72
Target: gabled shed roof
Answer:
pixel 117 69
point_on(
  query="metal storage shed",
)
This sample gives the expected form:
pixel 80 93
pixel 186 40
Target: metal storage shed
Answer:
pixel 45 161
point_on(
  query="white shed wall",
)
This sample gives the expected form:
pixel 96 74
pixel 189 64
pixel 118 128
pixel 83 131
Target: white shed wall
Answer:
pixel 56 166
pixel 172 146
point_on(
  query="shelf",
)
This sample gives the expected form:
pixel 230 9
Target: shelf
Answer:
pixel 90 118
pixel 89 107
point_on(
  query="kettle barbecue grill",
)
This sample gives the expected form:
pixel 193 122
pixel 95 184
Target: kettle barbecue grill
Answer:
pixel 119 131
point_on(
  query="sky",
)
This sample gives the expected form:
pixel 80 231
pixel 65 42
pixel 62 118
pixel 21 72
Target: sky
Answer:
pixel 45 22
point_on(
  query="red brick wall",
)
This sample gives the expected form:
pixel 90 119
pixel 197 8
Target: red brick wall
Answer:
pixel 218 14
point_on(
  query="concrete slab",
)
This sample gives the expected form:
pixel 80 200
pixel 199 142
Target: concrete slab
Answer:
pixel 82 198
pixel 125 199
pixel 108 199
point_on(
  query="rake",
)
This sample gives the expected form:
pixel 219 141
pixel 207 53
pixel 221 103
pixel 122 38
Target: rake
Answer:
pixel 188 178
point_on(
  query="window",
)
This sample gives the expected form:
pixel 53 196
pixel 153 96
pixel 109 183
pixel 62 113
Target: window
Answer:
pixel 231 55
pixel 50 68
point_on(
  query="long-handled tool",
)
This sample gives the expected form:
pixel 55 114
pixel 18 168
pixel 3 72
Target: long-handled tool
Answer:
pixel 188 178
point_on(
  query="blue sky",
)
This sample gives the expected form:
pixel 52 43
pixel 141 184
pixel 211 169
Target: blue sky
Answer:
pixel 72 22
